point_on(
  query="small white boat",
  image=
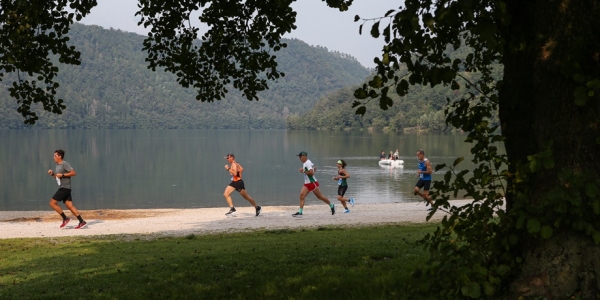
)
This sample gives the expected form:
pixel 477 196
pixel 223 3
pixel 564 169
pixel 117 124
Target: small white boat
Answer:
pixel 391 162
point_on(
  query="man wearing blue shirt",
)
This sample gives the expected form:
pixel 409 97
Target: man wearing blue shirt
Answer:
pixel 424 171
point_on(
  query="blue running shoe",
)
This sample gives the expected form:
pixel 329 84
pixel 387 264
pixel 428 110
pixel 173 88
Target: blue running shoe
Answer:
pixel 352 202
pixel 346 211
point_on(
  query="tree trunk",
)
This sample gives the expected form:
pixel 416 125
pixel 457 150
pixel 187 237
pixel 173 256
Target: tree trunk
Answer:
pixel 565 265
pixel 549 46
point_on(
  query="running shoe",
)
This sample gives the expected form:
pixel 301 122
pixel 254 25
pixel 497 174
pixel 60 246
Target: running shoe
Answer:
pixel 297 215
pixel 258 209
pixel 231 212
pixel 352 202
pixel 346 211
pixel 81 225
pixel 333 210
pixel 64 223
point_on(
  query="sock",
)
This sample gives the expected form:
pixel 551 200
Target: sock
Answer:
pixel 300 210
pixel 80 219
pixel 62 214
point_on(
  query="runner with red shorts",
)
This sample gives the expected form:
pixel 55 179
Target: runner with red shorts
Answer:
pixel 310 184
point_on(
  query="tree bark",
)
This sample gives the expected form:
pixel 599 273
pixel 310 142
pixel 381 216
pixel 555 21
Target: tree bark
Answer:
pixel 549 44
pixel 565 265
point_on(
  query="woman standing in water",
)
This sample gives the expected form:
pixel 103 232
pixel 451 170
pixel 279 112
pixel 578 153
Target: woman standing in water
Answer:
pixel 343 185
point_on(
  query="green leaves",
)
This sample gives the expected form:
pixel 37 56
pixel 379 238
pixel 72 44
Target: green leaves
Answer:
pixel 375 30
pixel 472 290
pixel 546 231
pixel 458 161
pixel 591 190
pixel 236 50
pixel 31 31
pixel 542 160
pixel 596 237
pixel 533 225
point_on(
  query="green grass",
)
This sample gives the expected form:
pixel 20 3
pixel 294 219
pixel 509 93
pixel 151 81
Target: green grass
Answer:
pixel 373 262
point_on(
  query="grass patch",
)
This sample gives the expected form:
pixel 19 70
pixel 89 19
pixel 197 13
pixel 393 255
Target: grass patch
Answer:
pixel 373 262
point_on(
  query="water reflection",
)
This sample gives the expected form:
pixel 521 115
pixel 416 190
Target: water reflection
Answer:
pixel 184 168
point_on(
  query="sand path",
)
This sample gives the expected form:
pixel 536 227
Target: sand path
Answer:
pixel 179 222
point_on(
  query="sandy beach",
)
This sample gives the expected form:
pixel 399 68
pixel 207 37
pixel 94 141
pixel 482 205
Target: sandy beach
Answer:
pixel 180 222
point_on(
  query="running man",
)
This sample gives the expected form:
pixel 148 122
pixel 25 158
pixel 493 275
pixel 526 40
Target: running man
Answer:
pixel 237 184
pixel 343 185
pixel 310 184
pixel 63 173
pixel 424 171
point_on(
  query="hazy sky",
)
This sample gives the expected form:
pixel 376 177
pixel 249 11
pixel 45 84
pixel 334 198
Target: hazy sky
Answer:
pixel 317 24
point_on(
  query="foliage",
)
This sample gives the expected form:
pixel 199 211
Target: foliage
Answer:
pixel 422 108
pixel 112 88
pixel 238 47
pixel 372 262
pixel 481 247
pixel 548 178
pixel 30 32
pixel 467 258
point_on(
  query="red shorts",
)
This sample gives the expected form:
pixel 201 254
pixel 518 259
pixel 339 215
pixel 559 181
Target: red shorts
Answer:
pixel 312 186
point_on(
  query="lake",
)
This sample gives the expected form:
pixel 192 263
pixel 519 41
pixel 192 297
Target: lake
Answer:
pixel 131 169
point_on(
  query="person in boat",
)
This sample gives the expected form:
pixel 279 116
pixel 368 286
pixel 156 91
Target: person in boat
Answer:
pixel 391 155
pixel 396 154
pixel 382 155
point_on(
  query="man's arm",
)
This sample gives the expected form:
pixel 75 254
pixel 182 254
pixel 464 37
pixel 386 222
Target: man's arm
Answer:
pixel 310 172
pixel 429 169
pixel 67 174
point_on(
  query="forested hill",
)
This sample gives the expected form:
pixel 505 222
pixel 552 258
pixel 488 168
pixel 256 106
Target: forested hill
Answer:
pixel 113 88
pixel 422 109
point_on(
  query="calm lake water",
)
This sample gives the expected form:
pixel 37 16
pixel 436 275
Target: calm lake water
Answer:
pixel 130 169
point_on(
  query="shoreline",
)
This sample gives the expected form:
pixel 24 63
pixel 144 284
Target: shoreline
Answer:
pixel 200 221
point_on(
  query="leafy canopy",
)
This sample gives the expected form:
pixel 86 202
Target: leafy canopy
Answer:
pixel 238 48
pixel 32 30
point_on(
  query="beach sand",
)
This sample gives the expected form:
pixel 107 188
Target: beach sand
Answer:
pixel 199 221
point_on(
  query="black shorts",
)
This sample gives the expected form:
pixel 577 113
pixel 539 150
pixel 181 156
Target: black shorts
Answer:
pixel 238 185
pixel 423 184
pixel 63 194
pixel 342 190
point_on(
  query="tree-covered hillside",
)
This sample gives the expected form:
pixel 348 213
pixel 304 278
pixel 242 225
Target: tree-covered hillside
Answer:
pixel 112 88
pixel 421 109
